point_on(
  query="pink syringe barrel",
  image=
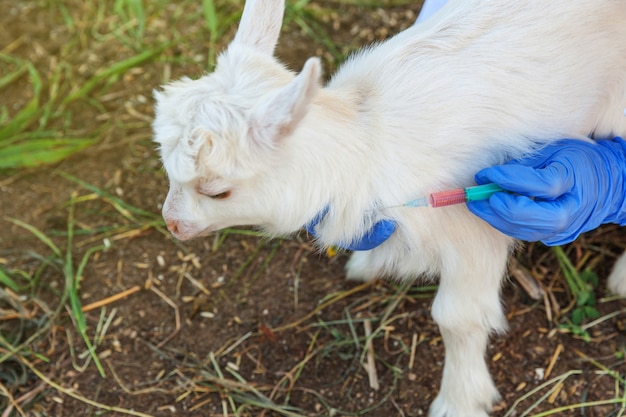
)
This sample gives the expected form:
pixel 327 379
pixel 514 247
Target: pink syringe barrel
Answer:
pixel 447 198
pixel 457 196
pixel 463 195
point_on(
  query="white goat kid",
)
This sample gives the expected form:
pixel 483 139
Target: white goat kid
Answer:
pixel 478 83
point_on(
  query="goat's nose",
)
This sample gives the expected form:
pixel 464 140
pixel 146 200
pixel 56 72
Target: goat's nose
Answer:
pixel 172 226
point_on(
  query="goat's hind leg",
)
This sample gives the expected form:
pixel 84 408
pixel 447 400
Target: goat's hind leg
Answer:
pixel 467 309
pixel 617 279
pixel 361 267
pixel 615 124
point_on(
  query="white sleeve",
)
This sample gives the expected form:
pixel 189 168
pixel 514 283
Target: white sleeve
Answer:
pixel 428 8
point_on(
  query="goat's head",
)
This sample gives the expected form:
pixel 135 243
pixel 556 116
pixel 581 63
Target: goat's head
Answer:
pixel 220 136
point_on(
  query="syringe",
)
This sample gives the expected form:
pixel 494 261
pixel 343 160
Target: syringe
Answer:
pixel 457 196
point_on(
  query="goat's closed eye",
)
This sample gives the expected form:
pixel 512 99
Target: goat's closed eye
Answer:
pixel 221 196
pixel 211 189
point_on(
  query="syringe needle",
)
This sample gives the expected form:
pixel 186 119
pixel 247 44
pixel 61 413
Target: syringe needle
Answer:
pixel 418 202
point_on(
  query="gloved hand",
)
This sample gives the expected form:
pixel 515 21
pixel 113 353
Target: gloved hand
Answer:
pixel 565 189
pixel 379 233
pixel 429 7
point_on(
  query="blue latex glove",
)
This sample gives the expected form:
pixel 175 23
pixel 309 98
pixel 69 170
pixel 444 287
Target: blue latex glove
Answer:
pixel 429 8
pixel 565 189
pixel 380 232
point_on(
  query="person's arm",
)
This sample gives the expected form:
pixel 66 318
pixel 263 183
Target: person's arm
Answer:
pixel 567 188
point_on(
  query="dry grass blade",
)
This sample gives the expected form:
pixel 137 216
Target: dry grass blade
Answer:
pixel 370 365
pixel 525 279
pixel 558 411
pixel 293 374
pixel 554 383
pixel 23 399
pixel 553 359
pixel 172 304
pixel 114 70
pixel 111 299
pixel 71 392
pixel 322 306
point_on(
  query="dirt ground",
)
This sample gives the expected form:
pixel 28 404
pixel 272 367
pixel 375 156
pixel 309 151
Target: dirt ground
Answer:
pixel 235 324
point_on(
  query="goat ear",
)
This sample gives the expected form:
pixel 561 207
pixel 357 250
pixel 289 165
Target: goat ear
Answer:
pixel 260 24
pixel 278 115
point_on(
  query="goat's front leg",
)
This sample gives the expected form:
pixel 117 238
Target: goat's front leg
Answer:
pixel 467 309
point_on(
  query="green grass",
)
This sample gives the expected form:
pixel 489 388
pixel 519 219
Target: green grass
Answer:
pixel 19 146
pixel 42 131
pixel 72 265
pixel 582 285
pixel 70 262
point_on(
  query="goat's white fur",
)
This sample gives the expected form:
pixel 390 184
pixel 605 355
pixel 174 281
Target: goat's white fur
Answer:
pixel 475 85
